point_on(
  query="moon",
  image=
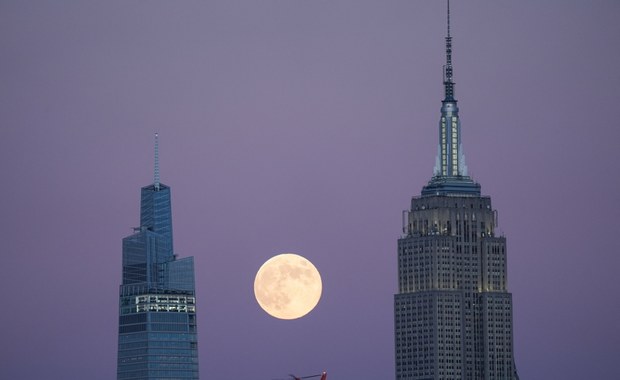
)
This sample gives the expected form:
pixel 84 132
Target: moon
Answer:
pixel 288 286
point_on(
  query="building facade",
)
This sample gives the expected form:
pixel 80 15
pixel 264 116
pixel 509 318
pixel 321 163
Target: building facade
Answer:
pixel 453 311
pixel 157 336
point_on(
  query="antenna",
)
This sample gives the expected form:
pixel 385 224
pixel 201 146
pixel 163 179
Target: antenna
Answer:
pixel 448 49
pixel 156 173
pixel 448 18
pixel 447 80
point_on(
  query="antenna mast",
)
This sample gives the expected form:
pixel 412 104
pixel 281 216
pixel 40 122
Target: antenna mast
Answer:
pixel 447 75
pixel 156 172
pixel 448 18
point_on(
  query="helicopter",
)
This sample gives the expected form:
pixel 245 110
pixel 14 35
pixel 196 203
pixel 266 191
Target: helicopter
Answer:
pixel 322 375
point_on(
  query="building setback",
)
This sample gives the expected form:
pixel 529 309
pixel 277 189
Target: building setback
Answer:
pixel 453 311
pixel 157 336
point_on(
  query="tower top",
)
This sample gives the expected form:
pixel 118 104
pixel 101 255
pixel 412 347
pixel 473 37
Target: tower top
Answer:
pixel 156 169
pixel 450 172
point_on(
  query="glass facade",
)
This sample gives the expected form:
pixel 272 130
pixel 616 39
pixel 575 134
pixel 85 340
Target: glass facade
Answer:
pixel 157 309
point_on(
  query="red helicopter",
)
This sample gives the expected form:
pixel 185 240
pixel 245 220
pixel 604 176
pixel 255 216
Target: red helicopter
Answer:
pixel 322 375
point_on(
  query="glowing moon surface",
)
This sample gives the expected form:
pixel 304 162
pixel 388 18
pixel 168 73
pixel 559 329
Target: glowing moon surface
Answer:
pixel 288 286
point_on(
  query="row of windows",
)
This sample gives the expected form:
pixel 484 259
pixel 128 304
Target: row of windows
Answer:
pixel 142 374
pixel 139 354
pixel 159 368
pixel 164 308
pixel 166 299
pixel 445 203
pixel 158 309
pixel 132 328
pixel 415 252
pixel 131 319
pixel 158 303
pixel 189 357
pixel 159 344
pixel 173 327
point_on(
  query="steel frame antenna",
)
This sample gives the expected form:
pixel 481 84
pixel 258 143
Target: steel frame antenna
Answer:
pixel 156 170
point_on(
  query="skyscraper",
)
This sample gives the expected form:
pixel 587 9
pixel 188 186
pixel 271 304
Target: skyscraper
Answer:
pixel 453 311
pixel 157 337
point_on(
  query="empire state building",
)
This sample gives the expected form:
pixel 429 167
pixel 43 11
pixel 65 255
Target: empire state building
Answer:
pixel 453 311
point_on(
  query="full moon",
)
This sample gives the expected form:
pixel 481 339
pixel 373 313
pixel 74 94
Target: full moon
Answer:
pixel 288 286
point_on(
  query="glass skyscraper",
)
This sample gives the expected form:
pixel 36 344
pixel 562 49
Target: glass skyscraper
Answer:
pixel 453 311
pixel 157 336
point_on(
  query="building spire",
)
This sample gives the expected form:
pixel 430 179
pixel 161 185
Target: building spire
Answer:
pixel 447 69
pixel 156 171
pixel 448 18
pixel 450 160
pixel 450 171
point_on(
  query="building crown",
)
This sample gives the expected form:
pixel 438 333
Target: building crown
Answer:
pixel 450 172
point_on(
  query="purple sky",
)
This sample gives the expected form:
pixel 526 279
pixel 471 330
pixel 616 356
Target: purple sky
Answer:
pixel 302 126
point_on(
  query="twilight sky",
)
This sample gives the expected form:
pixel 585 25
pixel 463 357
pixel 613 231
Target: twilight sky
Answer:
pixel 305 127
